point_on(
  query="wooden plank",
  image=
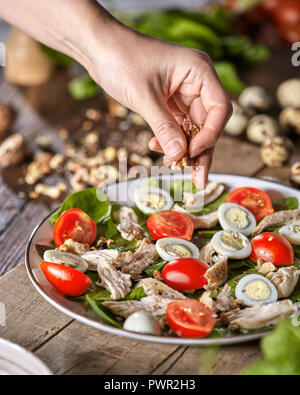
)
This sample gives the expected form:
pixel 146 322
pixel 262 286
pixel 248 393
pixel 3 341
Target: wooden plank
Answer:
pixel 30 320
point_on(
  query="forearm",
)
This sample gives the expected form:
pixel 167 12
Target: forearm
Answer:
pixel 77 28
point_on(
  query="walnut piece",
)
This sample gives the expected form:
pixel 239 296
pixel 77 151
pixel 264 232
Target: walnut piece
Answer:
pixel 7 116
pixel 12 151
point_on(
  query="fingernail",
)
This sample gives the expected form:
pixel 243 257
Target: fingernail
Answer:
pixel 173 148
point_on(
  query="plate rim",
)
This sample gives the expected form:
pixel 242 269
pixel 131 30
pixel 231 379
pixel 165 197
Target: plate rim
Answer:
pixel 134 335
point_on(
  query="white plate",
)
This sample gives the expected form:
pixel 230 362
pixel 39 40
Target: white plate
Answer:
pixel 43 235
pixel 15 360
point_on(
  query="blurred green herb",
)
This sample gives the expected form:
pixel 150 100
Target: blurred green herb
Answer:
pixel 83 87
pixel 288 203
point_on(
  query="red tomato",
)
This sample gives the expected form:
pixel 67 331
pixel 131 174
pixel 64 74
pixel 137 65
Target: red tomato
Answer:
pixel 253 199
pixel 290 34
pixel 74 224
pixel 170 224
pixel 65 279
pixel 287 13
pixel 190 318
pixel 271 247
pixel 269 6
pixel 185 273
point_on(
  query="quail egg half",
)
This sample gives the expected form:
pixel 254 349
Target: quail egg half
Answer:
pixel 152 200
pixel 236 218
pixel 170 248
pixel 291 233
pixel 255 289
pixel 67 259
pixel 143 323
pixel 234 245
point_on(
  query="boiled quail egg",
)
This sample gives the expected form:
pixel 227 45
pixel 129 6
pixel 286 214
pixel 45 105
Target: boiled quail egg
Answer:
pixel 171 248
pixel 291 233
pixel 143 323
pixel 67 259
pixel 152 200
pixel 255 289
pixel 234 245
pixel 237 218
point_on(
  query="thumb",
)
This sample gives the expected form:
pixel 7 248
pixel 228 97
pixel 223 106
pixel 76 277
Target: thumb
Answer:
pixel 167 131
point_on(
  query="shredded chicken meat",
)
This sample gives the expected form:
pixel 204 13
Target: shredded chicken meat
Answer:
pixel 208 301
pixel 117 283
pixel 225 301
pixel 96 257
pixel 134 263
pixel 279 218
pixel 202 198
pixel 217 274
pixel 258 316
pixel 154 287
pixel 154 305
pixel 206 221
pixel 285 280
pixel 74 247
pixel 129 226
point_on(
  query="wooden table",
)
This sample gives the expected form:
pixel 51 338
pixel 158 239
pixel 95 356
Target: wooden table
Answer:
pixel 67 346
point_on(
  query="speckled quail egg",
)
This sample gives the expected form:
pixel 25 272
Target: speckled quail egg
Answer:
pixel 152 200
pixel 275 151
pixel 295 174
pixel 236 218
pixel 260 127
pixel 143 323
pixel 255 289
pixel 291 232
pixel 255 97
pixel 289 120
pixel 288 93
pixel 67 259
pixel 170 248
pixel 234 245
pixel 237 122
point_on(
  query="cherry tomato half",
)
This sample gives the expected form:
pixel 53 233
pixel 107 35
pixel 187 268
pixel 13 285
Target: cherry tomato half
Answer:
pixel 170 224
pixel 185 274
pixel 190 318
pixel 271 247
pixel 65 279
pixel 74 224
pixel 253 199
pixel 287 13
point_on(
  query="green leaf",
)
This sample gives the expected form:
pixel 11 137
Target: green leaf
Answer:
pixel 101 311
pixel 100 295
pixel 40 248
pixel 288 203
pixel 83 87
pixel 202 237
pixel 150 269
pixel 136 294
pixel 178 187
pixel 91 201
pixel 281 351
pixel 227 73
pixel 297 251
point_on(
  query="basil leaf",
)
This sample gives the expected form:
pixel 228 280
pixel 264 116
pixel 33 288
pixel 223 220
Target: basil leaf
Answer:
pixel 288 203
pixel 91 201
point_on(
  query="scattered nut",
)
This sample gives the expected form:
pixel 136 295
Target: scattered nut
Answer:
pixel 276 151
pixel 255 97
pixel 136 119
pixel 12 151
pixel 115 108
pixel 260 127
pixel 53 192
pixel 288 93
pixel 7 116
pixel 44 141
pixel 238 121
pixel 110 154
pixel 56 161
pixel 289 120
pixel 38 168
pixel 93 115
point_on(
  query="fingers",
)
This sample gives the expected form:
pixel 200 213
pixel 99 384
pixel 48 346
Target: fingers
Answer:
pixel 219 109
pixel 154 145
pixel 201 167
pixel 167 131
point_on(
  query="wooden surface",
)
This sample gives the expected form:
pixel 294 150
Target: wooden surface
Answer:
pixel 69 347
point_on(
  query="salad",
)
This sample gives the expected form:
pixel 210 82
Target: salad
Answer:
pixel 214 263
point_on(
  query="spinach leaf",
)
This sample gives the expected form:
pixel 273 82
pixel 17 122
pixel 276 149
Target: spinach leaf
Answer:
pixel 150 269
pixel 91 201
pixel 41 249
pixel 288 203
pixel 178 187
pixel 213 206
pixel 101 311
pixel 100 295
pixel 202 237
pixel 136 294
pixel 281 351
